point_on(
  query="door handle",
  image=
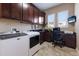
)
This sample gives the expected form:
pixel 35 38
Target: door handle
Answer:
pixel 18 38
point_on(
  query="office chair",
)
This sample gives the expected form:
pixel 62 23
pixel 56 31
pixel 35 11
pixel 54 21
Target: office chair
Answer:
pixel 58 37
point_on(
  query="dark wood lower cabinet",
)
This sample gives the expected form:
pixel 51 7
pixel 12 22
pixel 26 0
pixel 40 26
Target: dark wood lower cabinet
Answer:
pixel 45 36
pixel 41 37
pixel 70 40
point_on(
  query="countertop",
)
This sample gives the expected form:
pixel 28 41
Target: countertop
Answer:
pixel 31 33
pixel 9 35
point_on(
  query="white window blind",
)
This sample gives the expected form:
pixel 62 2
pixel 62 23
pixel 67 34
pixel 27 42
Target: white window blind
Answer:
pixel 51 19
pixel 62 19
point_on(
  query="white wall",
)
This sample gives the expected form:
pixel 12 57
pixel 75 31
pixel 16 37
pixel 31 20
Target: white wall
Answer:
pixel 77 23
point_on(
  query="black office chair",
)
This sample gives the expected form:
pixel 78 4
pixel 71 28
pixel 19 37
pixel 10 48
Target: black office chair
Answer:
pixel 58 37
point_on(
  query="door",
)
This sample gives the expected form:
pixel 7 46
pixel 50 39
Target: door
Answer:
pixel 70 40
pixel 6 10
pixel 25 12
pixel 16 11
pixel 41 18
pixel 36 16
pixel 31 13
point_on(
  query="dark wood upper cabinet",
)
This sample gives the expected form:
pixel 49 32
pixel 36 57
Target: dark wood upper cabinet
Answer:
pixel 25 12
pixel 6 10
pixel 16 11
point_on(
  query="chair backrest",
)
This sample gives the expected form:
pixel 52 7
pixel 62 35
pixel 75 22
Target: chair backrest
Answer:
pixel 57 28
pixel 57 34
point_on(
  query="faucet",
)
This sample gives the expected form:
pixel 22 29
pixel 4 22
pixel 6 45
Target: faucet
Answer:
pixel 14 30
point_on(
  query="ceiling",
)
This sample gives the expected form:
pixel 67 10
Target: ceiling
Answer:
pixel 44 6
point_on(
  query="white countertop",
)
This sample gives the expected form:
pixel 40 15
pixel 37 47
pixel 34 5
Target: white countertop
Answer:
pixel 31 33
pixel 70 32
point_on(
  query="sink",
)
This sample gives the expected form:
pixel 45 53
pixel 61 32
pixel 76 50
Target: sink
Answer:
pixel 6 33
pixel 7 36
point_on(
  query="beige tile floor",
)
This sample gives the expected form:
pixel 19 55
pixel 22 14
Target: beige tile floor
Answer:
pixel 48 50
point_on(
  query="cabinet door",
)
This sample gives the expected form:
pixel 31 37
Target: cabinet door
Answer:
pixel 47 35
pixel 16 11
pixel 36 16
pixel 70 40
pixel 41 18
pixel 25 12
pixel 14 47
pixel 31 16
pixel 42 39
pixel 6 10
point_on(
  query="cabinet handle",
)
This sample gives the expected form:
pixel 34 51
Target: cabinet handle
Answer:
pixel 18 38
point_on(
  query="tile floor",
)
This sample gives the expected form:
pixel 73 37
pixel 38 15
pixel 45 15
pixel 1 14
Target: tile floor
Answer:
pixel 49 50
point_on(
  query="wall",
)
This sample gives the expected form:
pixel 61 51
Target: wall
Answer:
pixel 59 8
pixel 77 23
pixel 7 24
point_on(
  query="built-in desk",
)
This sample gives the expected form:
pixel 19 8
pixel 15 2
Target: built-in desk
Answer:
pixel 69 39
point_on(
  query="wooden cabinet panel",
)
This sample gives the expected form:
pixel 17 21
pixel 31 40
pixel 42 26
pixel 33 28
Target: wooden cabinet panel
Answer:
pixel 6 10
pixel 16 11
pixel 70 40
pixel 0 10
pixel 36 16
pixel 41 18
pixel 47 35
pixel 42 39
pixel 31 14
pixel 25 13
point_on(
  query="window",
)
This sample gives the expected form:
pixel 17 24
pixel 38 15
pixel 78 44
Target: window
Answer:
pixel 62 19
pixel 51 19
